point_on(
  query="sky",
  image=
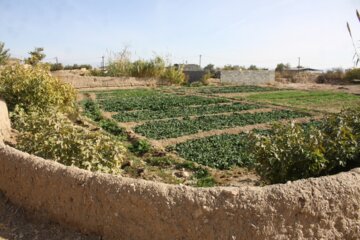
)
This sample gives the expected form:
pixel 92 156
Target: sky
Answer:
pixel 237 32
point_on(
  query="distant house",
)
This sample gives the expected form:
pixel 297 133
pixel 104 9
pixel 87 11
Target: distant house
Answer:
pixel 302 69
pixel 193 72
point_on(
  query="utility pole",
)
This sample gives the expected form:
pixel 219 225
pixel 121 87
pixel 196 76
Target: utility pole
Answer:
pixel 57 60
pixel 103 63
pixel 299 59
pixel 200 60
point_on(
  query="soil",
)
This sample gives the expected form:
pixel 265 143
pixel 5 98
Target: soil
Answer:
pixel 15 223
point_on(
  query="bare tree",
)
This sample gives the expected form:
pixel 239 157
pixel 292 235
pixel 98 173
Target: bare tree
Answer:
pixel 357 53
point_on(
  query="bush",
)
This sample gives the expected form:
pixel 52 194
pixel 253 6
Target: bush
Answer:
pixel 56 67
pixel 141 147
pixel 51 135
pixel 353 74
pixel 173 75
pixel 333 75
pixel 34 87
pixel 205 79
pixel 292 152
pixel 77 67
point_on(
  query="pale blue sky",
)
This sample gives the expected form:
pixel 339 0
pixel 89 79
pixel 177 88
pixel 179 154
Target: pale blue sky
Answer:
pixel 225 32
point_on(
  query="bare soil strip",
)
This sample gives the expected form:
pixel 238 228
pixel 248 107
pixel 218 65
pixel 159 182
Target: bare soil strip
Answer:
pixel 237 130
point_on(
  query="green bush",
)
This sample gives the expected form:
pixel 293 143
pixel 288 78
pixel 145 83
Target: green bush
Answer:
pixel 56 67
pixel 34 87
pixel 353 74
pixel 51 135
pixel 173 75
pixel 140 147
pixel 292 152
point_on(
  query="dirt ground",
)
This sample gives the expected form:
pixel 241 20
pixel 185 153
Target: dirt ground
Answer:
pixel 16 224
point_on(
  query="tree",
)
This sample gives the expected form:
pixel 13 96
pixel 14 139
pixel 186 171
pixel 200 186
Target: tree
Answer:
pixel 253 67
pixel 281 67
pixel 210 68
pixel 4 54
pixel 35 56
pixel 357 53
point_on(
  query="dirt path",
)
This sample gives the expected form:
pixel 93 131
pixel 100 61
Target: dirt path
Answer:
pixel 15 223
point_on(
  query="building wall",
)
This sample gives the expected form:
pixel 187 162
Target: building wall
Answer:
pixel 248 77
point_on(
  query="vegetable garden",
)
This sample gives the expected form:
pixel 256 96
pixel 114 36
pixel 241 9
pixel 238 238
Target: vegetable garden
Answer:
pixel 197 125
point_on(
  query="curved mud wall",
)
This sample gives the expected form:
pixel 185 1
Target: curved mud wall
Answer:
pixel 122 208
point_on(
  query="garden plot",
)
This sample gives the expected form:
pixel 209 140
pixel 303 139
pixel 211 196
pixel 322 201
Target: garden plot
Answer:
pixel 200 126
pixel 326 101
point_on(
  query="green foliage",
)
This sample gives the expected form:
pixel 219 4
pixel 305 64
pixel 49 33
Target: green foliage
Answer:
pixel 153 68
pixel 205 79
pixel 4 54
pixel 175 128
pixel 353 74
pixel 282 67
pixel 140 147
pixel 35 87
pixel 77 67
pixel 222 152
pixel 185 111
pixel 125 100
pixel 35 56
pixel 173 75
pixel 293 152
pixel 233 67
pixel 112 127
pixel 315 100
pixel 56 67
pixel 164 161
pixel 51 135
pixel 92 110
pixel 253 67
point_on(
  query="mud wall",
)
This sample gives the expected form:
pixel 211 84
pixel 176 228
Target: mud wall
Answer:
pixel 248 77
pixel 122 208
pixel 88 82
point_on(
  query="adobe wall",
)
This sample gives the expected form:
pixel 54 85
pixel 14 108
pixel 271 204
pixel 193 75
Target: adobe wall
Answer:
pixel 248 77
pixel 123 208
pixel 88 82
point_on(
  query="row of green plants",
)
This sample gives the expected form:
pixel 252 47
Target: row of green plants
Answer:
pixel 173 128
pixel 44 112
pixel 185 111
pixel 158 101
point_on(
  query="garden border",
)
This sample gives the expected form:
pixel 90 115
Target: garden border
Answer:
pixel 124 208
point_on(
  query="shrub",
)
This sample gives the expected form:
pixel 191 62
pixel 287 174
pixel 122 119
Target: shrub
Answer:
pixel 4 54
pixel 205 79
pixel 56 67
pixel 336 74
pixel 35 56
pixel 92 110
pixel 34 87
pixel 51 135
pixel 140 147
pixel 292 152
pixel 353 74
pixel 173 75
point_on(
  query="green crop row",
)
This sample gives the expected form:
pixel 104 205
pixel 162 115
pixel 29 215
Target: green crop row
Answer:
pixel 176 128
pixel 226 150
pixel 185 111
pixel 159 101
